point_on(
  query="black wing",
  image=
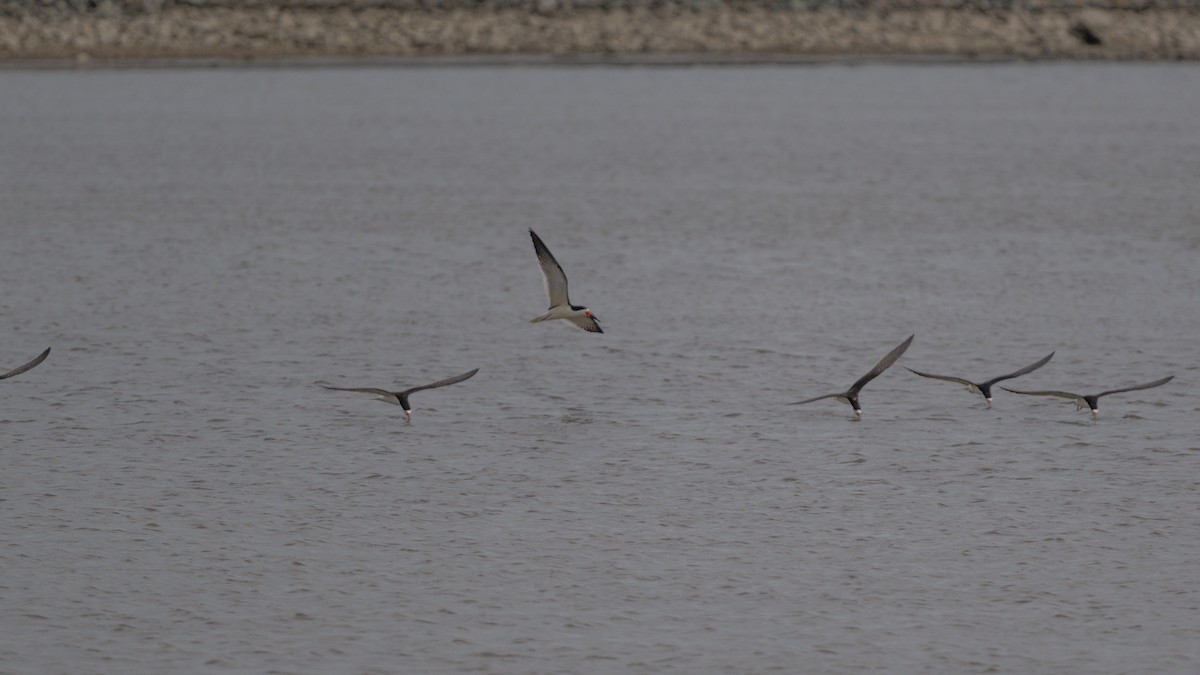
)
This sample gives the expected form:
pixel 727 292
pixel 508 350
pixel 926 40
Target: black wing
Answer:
pixel 440 383
pixel 883 365
pixel 20 369
pixel 382 394
pixel 1060 394
pixel 810 400
pixel 1148 385
pixel 1027 369
pixel 589 323
pixel 956 380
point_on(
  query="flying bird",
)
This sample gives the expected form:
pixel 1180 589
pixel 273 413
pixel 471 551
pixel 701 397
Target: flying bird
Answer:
pixel 556 289
pixel 984 388
pixel 1091 401
pixel 20 369
pixel 400 398
pixel 851 395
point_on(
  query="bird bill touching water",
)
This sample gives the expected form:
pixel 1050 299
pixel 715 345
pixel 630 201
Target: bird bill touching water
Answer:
pixel 400 398
pixel 556 290
pixel 851 395
pixel 1092 401
pixel 985 388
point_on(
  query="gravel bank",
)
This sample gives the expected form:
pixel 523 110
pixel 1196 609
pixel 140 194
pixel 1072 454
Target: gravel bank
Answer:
pixel 1034 29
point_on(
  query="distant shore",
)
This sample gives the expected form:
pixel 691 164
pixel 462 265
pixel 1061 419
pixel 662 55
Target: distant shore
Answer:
pixel 596 31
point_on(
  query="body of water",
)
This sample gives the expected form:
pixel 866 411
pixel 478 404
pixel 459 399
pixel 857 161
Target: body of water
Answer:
pixel 199 246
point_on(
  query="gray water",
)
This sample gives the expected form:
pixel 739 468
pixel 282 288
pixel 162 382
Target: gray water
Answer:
pixel 199 246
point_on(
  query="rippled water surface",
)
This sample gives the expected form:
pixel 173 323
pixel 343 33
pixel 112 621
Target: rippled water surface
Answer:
pixel 199 246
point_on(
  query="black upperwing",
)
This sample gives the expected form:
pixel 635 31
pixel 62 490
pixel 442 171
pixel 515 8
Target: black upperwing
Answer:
pixel 884 363
pixel 22 368
pixel 440 383
pixel 1026 370
pixel 1148 385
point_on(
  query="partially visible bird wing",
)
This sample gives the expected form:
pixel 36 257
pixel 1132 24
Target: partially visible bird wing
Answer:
pixel 440 383
pixel 552 273
pixel 957 380
pixel 588 323
pixel 818 398
pixel 1060 394
pixel 883 365
pixel 1027 369
pixel 1148 385
pixel 20 369
pixel 384 394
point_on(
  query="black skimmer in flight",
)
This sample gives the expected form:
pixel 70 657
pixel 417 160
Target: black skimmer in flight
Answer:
pixel 851 395
pixel 1082 401
pixel 400 398
pixel 556 288
pixel 20 369
pixel 984 388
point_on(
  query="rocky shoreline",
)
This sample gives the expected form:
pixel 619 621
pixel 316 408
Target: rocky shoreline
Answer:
pixel 81 30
